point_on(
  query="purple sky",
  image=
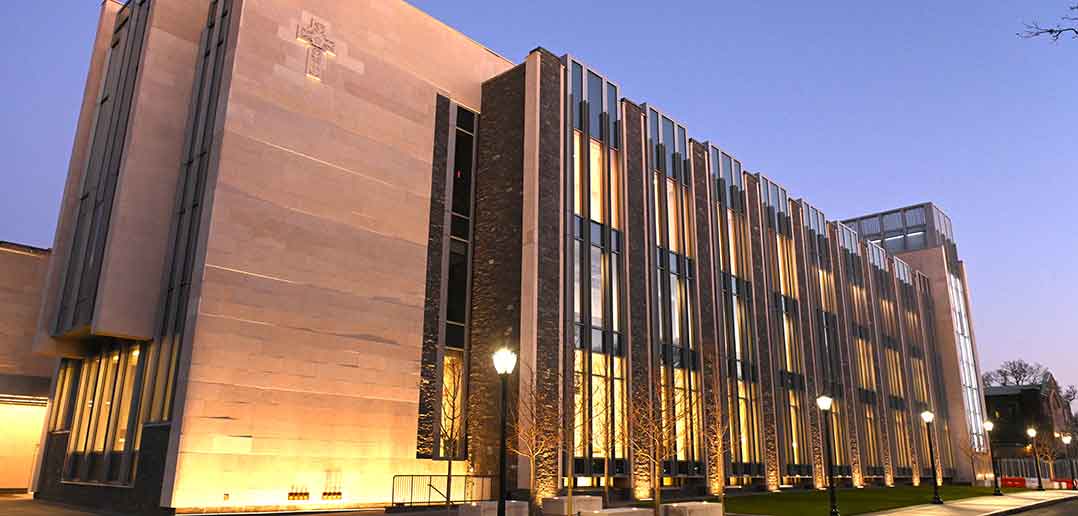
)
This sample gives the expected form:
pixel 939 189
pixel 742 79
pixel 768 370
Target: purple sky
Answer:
pixel 856 106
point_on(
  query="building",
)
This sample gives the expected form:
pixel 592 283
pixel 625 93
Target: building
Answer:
pixel 24 377
pixel 1015 408
pixel 922 236
pixel 263 302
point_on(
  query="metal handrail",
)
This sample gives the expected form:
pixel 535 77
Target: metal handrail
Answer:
pixel 431 489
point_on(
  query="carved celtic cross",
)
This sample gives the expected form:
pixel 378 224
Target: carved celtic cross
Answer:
pixel 319 45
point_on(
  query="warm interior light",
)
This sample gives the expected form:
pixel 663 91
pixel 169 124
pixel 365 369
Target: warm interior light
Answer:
pixel 928 416
pixel 824 402
pixel 988 426
pixel 1067 439
pixel 504 361
pixel 1032 432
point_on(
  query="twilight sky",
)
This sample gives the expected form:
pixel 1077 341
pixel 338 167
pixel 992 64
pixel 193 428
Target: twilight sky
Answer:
pixel 855 106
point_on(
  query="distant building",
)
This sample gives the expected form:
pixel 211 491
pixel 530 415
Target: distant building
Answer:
pixel 1015 408
pixel 24 376
pixel 291 228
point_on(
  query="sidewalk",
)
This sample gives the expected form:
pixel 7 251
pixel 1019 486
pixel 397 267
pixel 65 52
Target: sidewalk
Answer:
pixel 984 505
pixel 25 505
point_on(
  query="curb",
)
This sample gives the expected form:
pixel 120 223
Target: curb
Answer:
pixel 1030 507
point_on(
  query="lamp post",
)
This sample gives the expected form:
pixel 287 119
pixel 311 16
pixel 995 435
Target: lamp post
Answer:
pixel 1032 433
pixel 1070 462
pixel 988 427
pixel 824 402
pixel 928 417
pixel 504 362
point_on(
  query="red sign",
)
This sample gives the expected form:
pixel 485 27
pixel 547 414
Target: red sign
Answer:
pixel 1012 482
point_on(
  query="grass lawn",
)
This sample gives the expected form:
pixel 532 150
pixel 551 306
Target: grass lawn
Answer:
pixel 850 501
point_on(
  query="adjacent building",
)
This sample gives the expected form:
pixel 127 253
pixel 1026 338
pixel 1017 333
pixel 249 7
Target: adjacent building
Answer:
pixel 294 232
pixel 1015 408
pixel 24 377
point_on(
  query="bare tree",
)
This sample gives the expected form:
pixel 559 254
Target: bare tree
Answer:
pixel 1068 25
pixel 1047 448
pixel 972 454
pixel 536 432
pixel 654 441
pixel 588 418
pixel 1069 395
pixel 451 425
pixel 716 432
pixel 1015 372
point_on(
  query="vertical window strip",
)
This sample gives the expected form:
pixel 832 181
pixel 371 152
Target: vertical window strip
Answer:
pixel 599 371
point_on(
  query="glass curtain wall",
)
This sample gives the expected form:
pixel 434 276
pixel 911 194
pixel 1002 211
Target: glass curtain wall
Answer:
pixel 967 362
pixel 915 344
pixel 599 363
pixel 895 366
pixel 679 392
pixel 829 352
pixel 864 351
pixel 451 433
pixel 784 307
pixel 735 270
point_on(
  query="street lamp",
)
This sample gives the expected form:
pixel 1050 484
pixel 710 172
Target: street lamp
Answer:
pixel 504 362
pixel 824 402
pixel 1032 433
pixel 988 427
pixel 928 417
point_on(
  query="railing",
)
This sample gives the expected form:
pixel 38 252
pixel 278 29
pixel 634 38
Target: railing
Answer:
pixel 1024 467
pixel 432 489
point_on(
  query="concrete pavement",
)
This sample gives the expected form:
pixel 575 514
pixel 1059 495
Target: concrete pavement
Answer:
pixel 25 505
pixel 1012 503
pixel 1030 503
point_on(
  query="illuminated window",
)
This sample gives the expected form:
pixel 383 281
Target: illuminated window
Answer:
pixel 599 397
pixel 99 448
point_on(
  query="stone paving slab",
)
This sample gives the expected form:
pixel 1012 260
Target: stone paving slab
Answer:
pixel 984 505
pixel 25 505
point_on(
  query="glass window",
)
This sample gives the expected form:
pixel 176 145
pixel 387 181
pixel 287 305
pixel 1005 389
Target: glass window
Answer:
pixel 462 174
pixel 595 105
pixel 595 177
pixel 892 221
pixel 613 114
pixel 457 287
pixel 915 240
pixel 915 216
pixel 870 226
pixel 100 449
pixel 596 287
pixel 578 94
pixel 653 135
pixel 668 146
pixel 893 244
pixel 465 119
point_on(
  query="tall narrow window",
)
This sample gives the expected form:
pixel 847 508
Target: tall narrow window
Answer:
pixel 99 447
pixel 599 450
pixel 674 294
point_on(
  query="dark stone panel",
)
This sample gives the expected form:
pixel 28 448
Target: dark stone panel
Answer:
pixel 637 251
pixel 549 267
pixel 709 306
pixel 432 306
pixel 761 299
pixel 496 256
pixel 142 497
pixel 24 385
